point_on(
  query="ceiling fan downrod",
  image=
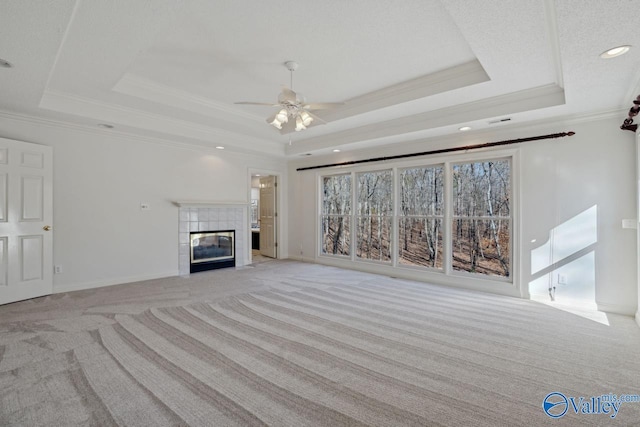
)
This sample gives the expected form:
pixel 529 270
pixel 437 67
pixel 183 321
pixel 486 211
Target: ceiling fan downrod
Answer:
pixel 291 66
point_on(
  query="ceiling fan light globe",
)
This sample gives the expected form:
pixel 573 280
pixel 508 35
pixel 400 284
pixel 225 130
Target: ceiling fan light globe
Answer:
pixel 282 116
pixel 275 122
pixel 305 118
pixel 299 124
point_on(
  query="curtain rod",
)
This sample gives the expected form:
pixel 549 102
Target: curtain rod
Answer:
pixel 442 150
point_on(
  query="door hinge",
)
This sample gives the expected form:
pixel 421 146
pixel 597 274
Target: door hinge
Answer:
pixel 275 245
pixel 276 214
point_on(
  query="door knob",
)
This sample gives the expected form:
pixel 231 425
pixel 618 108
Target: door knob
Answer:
pixel 47 228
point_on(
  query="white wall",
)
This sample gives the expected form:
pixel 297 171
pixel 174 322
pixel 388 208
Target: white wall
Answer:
pixel 101 236
pixel 583 187
pixel 578 187
pixel 638 218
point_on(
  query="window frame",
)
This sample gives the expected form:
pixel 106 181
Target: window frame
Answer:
pixel 442 217
pixel 446 275
pixel 357 216
pixel 322 215
pixel 452 218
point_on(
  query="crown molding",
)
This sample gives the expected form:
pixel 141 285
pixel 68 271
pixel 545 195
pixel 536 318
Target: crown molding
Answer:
pixel 115 133
pixel 150 90
pixel 111 113
pixel 452 78
pixel 516 102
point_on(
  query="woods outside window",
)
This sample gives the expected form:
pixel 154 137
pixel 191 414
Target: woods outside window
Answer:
pixel 420 218
pixel 336 215
pixel 375 210
pixel 452 218
pixel 481 226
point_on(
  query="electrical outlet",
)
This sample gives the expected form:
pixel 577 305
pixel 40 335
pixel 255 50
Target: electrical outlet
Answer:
pixel 144 206
pixel 57 269
pixel 562 279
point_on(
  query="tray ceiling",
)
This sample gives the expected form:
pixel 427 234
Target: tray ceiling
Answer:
pixel 172 70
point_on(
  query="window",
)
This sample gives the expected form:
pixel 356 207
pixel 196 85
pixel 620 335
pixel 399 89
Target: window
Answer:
pixel 420 217
pixel 451 218
pixel 481 223
pixel 375 210
pixel 336 215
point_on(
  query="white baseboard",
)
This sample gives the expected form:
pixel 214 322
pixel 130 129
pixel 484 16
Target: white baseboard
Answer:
pixel 499 288
pixel 302 259
pixel 110 282
pixel 627 310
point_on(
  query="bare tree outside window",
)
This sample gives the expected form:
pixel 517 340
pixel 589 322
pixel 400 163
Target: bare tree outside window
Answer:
pixel 420 217
pixel 336 215
pixel 374 215
pixel 481 226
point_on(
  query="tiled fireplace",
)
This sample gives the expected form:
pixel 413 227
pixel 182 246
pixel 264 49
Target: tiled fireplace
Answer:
pixel 210 217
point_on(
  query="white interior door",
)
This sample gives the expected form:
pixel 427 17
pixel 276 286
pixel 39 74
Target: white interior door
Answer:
pixel 268 216
pixel 26 213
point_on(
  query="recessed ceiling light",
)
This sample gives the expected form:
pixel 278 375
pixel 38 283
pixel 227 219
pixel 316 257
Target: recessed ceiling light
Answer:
pixel 616 51
pixel 5 64
pixel 464 128
pixel 220 147
pixel 257 174
pixel 105 125
pixel 336 151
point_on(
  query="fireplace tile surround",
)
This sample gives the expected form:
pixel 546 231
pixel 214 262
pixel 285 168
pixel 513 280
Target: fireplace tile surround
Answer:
pixel 211 217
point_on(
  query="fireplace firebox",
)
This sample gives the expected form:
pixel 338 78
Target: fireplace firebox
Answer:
pixel 212 249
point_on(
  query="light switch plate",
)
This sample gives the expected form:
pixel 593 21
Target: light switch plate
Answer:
pixel 629 223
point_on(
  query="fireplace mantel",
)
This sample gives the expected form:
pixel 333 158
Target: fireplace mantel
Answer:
pixel 209 204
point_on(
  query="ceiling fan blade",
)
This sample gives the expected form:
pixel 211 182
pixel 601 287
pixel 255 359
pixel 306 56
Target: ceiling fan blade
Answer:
pixel 257 103
pixel 271 118
pixel 287 95
pixel 288 127
pixel 316 120
pixel 322 105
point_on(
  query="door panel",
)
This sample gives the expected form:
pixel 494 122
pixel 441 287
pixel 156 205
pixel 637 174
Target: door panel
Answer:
pixel 32 160
pixel 268 215
pixel 4 196
pixel 4 268
pixel 31 257
pixel 32 198
pixel 26 209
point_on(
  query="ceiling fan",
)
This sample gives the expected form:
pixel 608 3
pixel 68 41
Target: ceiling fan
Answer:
pixel 295 114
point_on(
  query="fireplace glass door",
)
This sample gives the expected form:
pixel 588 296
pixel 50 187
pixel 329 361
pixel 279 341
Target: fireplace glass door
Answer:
pixel 212 246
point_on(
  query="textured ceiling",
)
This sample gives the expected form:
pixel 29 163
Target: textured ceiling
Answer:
pixel 405 69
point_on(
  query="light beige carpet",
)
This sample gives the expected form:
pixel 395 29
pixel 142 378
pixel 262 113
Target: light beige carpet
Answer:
pixel 292 344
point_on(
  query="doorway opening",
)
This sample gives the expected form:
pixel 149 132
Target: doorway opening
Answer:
pixel 264 225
